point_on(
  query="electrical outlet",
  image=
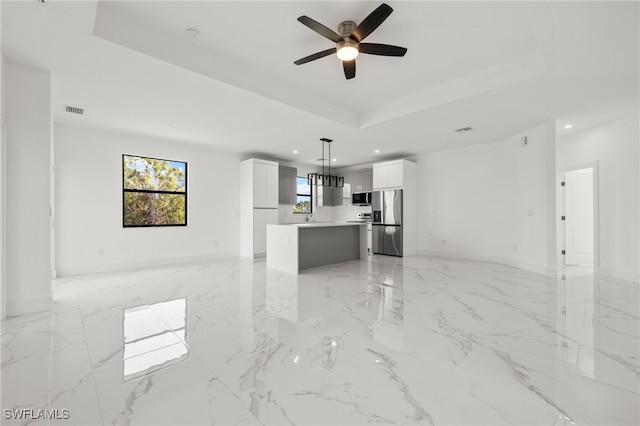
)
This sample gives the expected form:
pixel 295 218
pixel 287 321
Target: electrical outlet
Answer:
pixel 444 242
pixel 215 243
pixel 515 247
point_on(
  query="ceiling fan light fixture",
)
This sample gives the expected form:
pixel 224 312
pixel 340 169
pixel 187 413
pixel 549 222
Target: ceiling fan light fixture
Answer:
pixel 347 50
pixel 349 39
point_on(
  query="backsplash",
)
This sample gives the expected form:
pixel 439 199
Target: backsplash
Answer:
pixel 322 214
pixel 343 213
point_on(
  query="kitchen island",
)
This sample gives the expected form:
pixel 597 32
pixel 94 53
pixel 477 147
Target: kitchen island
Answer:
pixel 298 246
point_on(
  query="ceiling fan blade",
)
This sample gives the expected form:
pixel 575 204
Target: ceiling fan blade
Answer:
pixel 315 56
pixel 349 68
pixel 320 29
pixel 371 22
pixel 382 49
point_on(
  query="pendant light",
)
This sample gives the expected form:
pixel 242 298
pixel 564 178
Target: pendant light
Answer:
pixel 326 178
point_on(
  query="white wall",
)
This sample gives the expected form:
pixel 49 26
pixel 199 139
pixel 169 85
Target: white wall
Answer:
pixel 615 147
pixel 494 201
pixel 89 203
pixel 27 101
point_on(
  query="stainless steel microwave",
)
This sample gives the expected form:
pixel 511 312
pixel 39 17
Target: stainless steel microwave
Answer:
pixel 361 199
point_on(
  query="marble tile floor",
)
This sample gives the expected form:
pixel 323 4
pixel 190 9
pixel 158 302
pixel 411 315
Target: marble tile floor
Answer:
pixel 402 341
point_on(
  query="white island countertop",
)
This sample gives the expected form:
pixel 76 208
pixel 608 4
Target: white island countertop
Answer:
pixel 292 247
pixel 323 224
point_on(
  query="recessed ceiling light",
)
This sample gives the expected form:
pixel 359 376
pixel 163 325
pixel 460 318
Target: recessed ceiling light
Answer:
pixel 568 126
pixel 295 151
pixel 168 127
pixel 192 32
pixel 334 159
pixel 377 151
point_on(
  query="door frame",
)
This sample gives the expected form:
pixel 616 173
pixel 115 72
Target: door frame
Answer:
pixel 560 202
pixel 3 221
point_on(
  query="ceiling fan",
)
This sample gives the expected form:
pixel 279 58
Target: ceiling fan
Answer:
pixel 349 41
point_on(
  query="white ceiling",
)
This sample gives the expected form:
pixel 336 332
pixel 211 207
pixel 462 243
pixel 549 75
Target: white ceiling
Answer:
pixel 498 67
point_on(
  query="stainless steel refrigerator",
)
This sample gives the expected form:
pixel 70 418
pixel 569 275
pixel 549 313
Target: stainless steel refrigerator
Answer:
pixel 387 222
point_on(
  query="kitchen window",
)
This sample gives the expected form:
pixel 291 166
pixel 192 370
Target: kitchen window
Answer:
pixel 154 192
pixel 303 196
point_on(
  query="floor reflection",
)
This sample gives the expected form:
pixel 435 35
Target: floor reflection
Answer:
pixel 154 337
pixel 598 327
pixel 385 302
pixel 414 340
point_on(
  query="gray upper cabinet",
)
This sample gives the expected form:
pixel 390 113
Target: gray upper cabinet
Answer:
pixel 367 180
pixel 287 177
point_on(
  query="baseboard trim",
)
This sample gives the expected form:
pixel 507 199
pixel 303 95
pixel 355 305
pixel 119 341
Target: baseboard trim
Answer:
pixel 31 306
pixel 93 269
pixel 618 275
pixel 547 272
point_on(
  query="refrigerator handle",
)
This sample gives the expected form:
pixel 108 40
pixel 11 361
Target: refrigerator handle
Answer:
pixel 377 216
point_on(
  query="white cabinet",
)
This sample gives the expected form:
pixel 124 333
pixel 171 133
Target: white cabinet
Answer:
pixel 259 189
pixel 262 218
pixel 349 187
pixel 259 231
pixel 379 177
pixel 388 175
pixel 265 184
pixel 394 175
pixel 346 191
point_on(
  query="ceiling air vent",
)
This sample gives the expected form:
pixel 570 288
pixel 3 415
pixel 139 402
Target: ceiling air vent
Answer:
pixel 464 129
pixel 74 110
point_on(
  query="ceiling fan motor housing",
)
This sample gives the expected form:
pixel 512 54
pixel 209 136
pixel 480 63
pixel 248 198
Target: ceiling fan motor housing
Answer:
pixel 347 42
pixel 346 28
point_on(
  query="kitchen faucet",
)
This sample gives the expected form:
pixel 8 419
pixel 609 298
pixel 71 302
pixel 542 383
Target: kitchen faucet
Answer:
pixel 306 216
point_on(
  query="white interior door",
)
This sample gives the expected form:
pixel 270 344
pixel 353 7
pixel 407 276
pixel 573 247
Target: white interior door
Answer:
pixel 579 217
